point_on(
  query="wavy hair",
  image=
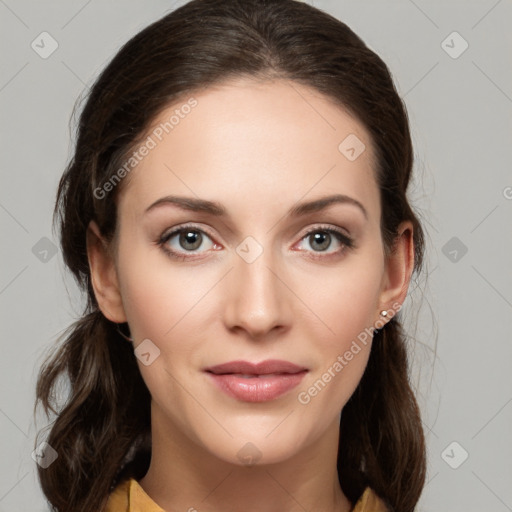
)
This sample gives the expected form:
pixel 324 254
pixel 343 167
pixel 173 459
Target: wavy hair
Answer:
pixel 102 430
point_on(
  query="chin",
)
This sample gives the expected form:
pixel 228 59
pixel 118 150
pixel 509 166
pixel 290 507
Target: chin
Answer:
pixel 258 450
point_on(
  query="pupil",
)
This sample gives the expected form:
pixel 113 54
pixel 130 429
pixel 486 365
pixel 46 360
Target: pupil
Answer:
pixel 190 237
pixel 322 236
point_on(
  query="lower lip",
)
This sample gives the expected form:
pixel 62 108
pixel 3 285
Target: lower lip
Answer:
pixel 257 389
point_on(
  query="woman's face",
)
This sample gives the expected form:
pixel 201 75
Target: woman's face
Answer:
pixel 269 279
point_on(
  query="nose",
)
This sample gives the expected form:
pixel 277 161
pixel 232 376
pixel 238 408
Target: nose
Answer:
pixel 257 298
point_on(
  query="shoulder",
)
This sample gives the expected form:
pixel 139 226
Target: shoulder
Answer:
pixel 129 496
pixel 118 501
pixel 370 502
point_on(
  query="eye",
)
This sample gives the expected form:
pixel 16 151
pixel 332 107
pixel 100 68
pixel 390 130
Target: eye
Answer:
pixel 185 241
pixel 321 238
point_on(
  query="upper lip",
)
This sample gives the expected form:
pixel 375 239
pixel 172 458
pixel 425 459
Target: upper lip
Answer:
pixel 262 368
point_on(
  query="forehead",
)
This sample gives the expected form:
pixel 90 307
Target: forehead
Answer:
pixel 274 140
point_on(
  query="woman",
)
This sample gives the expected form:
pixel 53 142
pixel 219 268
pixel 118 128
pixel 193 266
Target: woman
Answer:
pixel 236 213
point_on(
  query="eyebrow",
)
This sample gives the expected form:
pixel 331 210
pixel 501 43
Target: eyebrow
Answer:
pixel 216 209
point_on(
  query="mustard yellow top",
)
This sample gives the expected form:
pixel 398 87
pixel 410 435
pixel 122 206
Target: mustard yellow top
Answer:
pixel 129 496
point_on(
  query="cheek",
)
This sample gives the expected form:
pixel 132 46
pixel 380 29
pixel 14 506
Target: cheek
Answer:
pixel 157 294
pixel 161 305
pixel 341 358
pixel 149 311
pixel 346 299
pixel 347 306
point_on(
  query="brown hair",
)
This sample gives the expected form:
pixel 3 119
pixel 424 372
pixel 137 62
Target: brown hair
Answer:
pixel 102 432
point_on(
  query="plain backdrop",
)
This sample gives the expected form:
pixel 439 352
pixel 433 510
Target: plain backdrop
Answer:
pixel 451 62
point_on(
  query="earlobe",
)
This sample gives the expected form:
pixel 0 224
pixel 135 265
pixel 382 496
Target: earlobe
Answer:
pixel 103 275
pixel 399 266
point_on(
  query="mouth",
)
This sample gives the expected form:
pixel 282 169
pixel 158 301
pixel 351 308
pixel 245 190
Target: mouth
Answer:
pixel 245 368
pixel 257 376
pixel 256 382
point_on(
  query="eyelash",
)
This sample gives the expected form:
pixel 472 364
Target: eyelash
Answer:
pixel 346 241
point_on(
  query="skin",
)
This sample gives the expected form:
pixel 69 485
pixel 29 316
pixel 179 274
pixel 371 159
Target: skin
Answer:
pixel 258 148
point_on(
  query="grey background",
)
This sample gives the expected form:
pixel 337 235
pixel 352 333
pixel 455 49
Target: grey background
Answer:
pixel 460 115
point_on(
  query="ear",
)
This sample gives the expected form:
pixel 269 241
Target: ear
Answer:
pixel 103 275
pixel 398 270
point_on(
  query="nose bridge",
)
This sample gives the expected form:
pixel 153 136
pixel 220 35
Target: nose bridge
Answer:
pixel 257 299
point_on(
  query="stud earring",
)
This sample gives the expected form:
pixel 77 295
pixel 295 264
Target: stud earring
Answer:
pixel 384 313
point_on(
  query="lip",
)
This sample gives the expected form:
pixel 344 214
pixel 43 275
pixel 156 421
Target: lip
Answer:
pixel 261 368
pixel 268 379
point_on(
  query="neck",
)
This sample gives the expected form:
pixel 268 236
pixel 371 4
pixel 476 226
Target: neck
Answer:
pixel 185 476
